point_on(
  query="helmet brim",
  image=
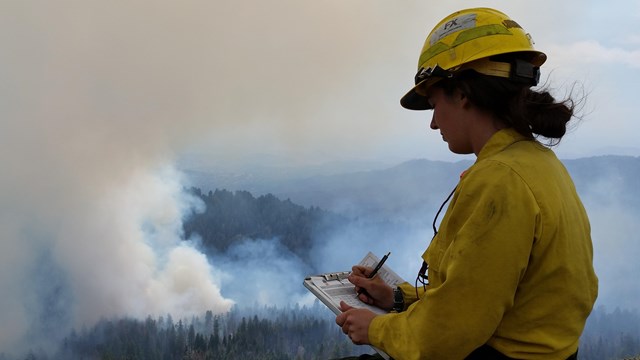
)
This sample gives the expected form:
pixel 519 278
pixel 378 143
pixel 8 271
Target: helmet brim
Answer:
pixel 413 100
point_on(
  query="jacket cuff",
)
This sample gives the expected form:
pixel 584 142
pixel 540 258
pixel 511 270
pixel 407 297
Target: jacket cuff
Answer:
pixel 409 292
pixel 376 329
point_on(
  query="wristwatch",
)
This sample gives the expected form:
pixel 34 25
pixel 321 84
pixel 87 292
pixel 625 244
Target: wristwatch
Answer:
pixel 398 300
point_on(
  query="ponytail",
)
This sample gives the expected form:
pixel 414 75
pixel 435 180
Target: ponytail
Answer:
pixel 545 116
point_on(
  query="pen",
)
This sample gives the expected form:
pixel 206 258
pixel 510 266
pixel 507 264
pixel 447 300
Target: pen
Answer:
pixel 375 270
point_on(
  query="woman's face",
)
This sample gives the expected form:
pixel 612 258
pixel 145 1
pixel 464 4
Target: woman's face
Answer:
pixel 449 116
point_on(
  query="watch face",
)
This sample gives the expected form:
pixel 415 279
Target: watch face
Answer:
pixel 398 300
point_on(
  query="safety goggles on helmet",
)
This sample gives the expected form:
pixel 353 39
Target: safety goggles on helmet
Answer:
pixel 432 72
pixel 474 39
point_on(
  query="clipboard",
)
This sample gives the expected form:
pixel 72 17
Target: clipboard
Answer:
pixel 331 288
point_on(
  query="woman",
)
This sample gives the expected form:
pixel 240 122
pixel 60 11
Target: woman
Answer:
pixel 510 271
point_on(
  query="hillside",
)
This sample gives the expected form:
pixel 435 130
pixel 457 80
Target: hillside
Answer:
pixel 411 188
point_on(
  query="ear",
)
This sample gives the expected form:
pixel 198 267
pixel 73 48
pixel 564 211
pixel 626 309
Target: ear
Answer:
pixel 463 100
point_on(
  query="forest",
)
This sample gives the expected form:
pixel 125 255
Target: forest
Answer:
pixel 232 216
pixel 270 332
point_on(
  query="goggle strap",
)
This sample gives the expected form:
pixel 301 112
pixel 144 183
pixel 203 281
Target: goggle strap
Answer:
pixel 518 70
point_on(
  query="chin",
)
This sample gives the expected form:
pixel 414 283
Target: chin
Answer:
pixel 460 151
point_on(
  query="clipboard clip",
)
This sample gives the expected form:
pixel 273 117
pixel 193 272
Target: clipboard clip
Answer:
pixel 336 276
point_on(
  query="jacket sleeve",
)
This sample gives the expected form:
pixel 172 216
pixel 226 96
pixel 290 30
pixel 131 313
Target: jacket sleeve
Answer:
pixel 476 262
pixel 411 293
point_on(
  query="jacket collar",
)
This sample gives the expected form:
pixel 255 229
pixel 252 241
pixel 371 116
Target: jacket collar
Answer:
pixel 500 141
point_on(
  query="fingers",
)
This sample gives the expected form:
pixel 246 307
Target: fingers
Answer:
pixel 356 280
pixel 341 318
pixel 366 289
pixel 361 271
pixel 365 298
pixel 344 306
pixel 360 282
pixel 345 321
pixel 355 323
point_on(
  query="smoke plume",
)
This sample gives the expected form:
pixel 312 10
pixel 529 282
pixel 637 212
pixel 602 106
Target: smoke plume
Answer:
pixel 97 99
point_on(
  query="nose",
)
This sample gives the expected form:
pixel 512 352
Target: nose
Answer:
pixel 433 124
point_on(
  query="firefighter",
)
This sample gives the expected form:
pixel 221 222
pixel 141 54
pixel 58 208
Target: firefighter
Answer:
pixel 509 272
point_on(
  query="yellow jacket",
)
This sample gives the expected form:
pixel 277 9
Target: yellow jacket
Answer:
pixel 511 266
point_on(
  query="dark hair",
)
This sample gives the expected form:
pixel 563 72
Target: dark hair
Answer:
pixel 514 103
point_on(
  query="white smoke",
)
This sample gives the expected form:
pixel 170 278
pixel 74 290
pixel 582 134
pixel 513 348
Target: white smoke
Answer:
pixel 97 98
pixel 127 256
pixel 262 272
pixel 118 252
pixel 616 247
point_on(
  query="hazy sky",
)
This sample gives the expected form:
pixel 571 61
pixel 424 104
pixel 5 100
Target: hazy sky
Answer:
pixel 316 80
pixel 98 97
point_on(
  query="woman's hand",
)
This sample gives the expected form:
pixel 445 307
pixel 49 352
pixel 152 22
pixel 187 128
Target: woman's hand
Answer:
pixel 372 291
pixel 355 323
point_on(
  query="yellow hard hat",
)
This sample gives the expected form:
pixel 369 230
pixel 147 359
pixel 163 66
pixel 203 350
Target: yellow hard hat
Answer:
pixel 467 39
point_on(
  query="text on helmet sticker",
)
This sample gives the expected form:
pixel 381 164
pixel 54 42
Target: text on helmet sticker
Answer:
pixel 456 24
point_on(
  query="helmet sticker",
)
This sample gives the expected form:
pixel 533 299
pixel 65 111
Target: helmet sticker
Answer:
pixel 456 24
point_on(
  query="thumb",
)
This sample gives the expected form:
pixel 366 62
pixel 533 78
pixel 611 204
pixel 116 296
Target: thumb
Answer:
pixel 344 306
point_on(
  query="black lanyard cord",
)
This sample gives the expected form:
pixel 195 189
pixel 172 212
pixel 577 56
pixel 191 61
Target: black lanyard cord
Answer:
pixel 422 274
pixel 435 231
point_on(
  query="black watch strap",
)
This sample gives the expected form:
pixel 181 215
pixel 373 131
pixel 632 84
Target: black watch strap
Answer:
pixel 398 300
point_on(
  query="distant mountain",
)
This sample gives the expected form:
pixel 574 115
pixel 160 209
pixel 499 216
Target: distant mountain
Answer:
pixel 411 188
pixel 388 191
pixel 262 173
pixel 396 192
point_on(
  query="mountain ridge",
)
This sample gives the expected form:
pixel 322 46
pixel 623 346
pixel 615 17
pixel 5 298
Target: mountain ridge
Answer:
pixel 406 188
